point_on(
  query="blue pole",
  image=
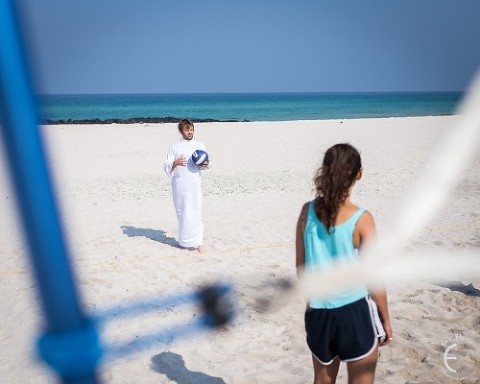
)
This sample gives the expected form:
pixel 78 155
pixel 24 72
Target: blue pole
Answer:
pixel 70 343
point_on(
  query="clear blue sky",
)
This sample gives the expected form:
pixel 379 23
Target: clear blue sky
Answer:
pixel 184 46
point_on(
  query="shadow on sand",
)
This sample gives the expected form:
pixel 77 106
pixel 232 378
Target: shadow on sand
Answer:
pixel 152 234
pixel 468 290
pixel 172 365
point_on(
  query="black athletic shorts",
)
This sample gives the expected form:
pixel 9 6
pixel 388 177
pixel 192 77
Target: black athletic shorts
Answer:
pixel 350 332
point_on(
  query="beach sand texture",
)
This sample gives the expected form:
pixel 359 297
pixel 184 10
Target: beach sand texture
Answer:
pixel 121 227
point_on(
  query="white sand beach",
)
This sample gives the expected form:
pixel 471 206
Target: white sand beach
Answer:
pixel 121 226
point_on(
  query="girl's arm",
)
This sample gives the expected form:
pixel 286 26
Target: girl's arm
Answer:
pixel 299 244
pixel 366 231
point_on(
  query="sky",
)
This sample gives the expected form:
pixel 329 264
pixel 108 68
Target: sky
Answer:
pixel 226 46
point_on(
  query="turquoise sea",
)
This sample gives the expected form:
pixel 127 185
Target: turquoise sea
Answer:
pixel 246 106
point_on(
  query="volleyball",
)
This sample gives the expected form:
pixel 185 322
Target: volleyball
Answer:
pixel 199 157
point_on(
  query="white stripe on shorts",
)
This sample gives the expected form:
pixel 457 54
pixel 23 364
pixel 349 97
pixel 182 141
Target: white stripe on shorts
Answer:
pixel 377 324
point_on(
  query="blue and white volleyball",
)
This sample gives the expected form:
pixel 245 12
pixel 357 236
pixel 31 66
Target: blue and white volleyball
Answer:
pixel 199 157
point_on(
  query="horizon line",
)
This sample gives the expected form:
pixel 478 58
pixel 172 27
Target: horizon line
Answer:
pixel 247 93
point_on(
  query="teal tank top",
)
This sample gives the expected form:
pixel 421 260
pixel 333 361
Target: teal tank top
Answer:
pixel 323 249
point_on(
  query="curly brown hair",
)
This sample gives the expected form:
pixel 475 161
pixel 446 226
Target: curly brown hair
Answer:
pixel 333 180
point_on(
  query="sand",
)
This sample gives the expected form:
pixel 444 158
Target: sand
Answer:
pixel 121 226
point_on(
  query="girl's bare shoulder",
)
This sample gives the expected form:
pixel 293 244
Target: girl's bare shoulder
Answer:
pixel 304 210
pixel 366 222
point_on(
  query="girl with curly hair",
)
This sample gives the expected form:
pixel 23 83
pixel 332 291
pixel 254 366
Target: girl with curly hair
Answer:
pixel 350 325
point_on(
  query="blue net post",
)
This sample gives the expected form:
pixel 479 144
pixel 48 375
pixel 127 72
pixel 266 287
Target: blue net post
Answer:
pixel 70 343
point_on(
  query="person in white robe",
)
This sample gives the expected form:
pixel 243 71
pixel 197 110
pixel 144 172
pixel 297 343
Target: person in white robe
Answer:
pixel 185 178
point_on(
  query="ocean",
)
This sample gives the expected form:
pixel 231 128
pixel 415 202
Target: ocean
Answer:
pixel 246 106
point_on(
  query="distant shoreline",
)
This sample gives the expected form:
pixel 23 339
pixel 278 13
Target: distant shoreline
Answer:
pixel 136 120
pixel 170 119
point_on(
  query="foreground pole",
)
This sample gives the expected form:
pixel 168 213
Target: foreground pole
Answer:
pixel 70 343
